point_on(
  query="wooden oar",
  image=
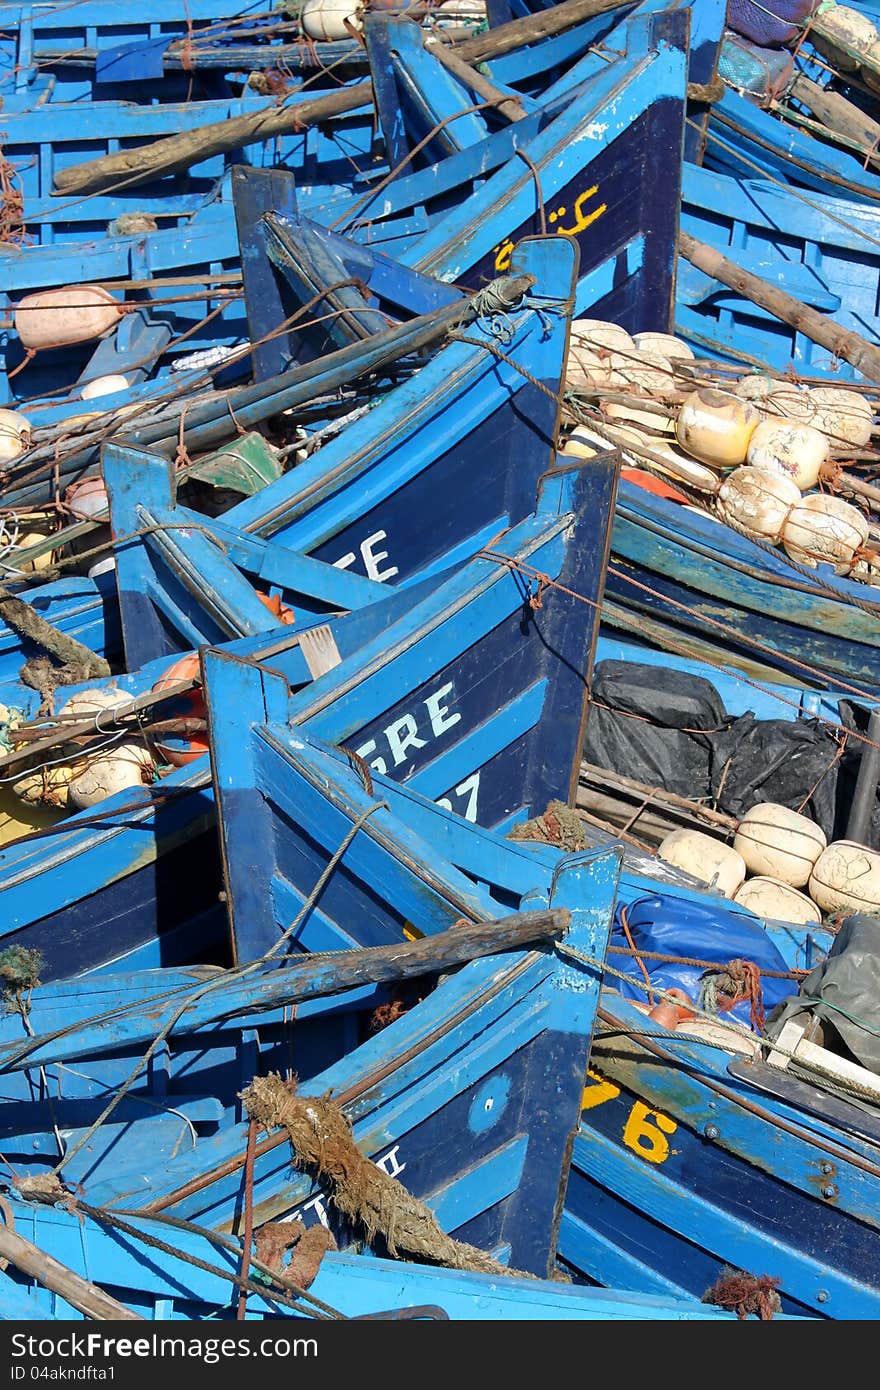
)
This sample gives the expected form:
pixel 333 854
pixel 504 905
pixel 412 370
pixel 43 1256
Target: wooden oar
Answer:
pixel 78 1292
pixel 852 347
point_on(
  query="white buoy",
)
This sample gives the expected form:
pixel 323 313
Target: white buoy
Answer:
pixel 789 447
pixel 125 765
pixel 846 877
pixel 716 426
pixel 779 843
pixel 328 20
pixel 754 388
pixel 599 334
pixel 758 501
pixel 846 417
pixel 647 371
pixel 824 529
pixel 590 369
pixel 776 901
pixel 15 435
pixel 705 858
pixel 666 344
pixel 103 386
pixel 790 401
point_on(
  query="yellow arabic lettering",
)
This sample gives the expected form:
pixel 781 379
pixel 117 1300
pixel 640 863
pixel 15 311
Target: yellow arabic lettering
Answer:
pixel 583 219
pixel 503 255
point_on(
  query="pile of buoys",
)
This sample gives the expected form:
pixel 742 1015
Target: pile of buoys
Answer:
pixel 758 448
pixel 79 780
pixel 781 866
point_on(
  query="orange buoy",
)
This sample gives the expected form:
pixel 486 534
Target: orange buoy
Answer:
pixel 278 609
pixel 669 1015
pixel 180 749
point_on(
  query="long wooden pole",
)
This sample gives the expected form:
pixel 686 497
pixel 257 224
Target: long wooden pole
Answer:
pixel 510 107
pixel 49 1272
pixel 176 152
pixel 852 347
pixel 841 116
pixel 312 977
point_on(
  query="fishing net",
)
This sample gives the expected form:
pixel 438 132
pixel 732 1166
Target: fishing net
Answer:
pixel 771 25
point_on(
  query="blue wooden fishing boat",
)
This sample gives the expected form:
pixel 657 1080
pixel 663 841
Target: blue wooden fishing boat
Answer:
pixel 346 1286
pixel 487 1037
pixel 410 453
pixel 41 142
pixel 753 1143
pixel 825 255
pixel 92 50
pixel 627 265
pixel 712 584
pixel 471 1059
pixel 448 681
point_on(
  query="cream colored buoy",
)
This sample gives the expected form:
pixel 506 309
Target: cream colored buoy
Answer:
pixel 716 426
pixel 647 371
pixel 666 344
pixel 588 368
pixel 754 388
pixel 48 786
pixel 601 335
pixel 776 901
pixel 328 20
pixel 779 843
pixel 824 529
pixel 789 447
pixel 846 877
pixel 85 703
pixel 715 863
pixel 123 766
pixel 15 435
pixel 103 386
pixel 62 317
pixel 758 501
pixel 846 417
pixel 790 401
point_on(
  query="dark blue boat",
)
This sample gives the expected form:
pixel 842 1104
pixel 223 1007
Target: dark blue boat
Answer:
pixel 753 1143
pixel 708 583
pixel 147 863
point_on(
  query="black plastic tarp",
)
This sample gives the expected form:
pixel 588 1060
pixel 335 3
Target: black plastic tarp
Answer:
pixel 669 729
pixel 844 991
